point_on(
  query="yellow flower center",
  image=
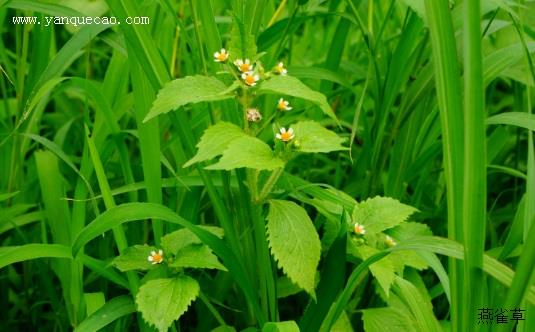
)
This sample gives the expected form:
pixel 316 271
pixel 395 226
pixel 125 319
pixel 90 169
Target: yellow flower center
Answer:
pixel 222 57
pixel 249 79
pixel 285 137
pixel 282 105
pixel 244 67
pixel 157 258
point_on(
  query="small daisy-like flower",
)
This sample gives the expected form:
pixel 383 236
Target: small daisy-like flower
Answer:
pixel 359 229
pixel 284 135
pixel 250 78
pixel 390 241
pixel 244 66
pixel 279 69
pixel 253 115
pixel 221 56
pixel 156 257
pixel 283 105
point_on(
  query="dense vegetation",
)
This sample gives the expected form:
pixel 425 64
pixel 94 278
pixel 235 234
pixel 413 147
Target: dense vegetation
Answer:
pixel 268 165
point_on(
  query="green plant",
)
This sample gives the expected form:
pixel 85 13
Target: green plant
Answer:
pixel 177 175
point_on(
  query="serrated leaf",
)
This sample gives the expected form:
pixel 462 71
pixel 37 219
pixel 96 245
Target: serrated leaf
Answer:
pixel 287 326
pixel 162 301
pixel 285 287
pixel 173 242
pixel 313 137
pixel 187 90
pixel 242 44
pixel 215 140
pixel 197 256
pixel 134 258
pixel 380 213
pixel 291 86
pixel 248 152
pixel 382 270
pixel 294 242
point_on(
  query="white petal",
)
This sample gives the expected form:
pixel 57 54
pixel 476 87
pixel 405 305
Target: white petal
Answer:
pixel 283 130
pixel 281 64
pixel 256 77
pixel 280 100
pixel 244 75
pixel 153 253
pixel 291 131
pixel 278 136
pixel 288 108
pixel 154 263
pixel 150 258
pixel 284 72
pixel 223 51
pixel 160 252
pixel 216 54
pixel 247 61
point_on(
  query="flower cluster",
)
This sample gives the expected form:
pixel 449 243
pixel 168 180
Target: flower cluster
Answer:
pixel 248 75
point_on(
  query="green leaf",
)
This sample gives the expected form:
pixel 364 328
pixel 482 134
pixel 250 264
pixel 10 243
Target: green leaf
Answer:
pixel 343 324
pixel 15 254
pixel 248 152
pixel 242 44
pixel 215 140
pixel 380 213
pixel 175 241
pixel 310 136
pixel 112 310
pixel 519 119
pixel 187 90
pixel 197 256
pixel 288 326
pixel 291 86
pixel 162 301
pixel 6 196
pixel 294 242
pixel 134 258
pixel 382 270
pixel 93 302
pixel 386 320
pixel 422 310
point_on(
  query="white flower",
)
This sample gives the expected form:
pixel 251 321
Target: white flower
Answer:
pixel 250 78
pixel 284 135
pixel 279 69
pixel 359 229
pixel 244 66
pixel 221 56
pixel 390 241
pixel 156 257
pixel 283 105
